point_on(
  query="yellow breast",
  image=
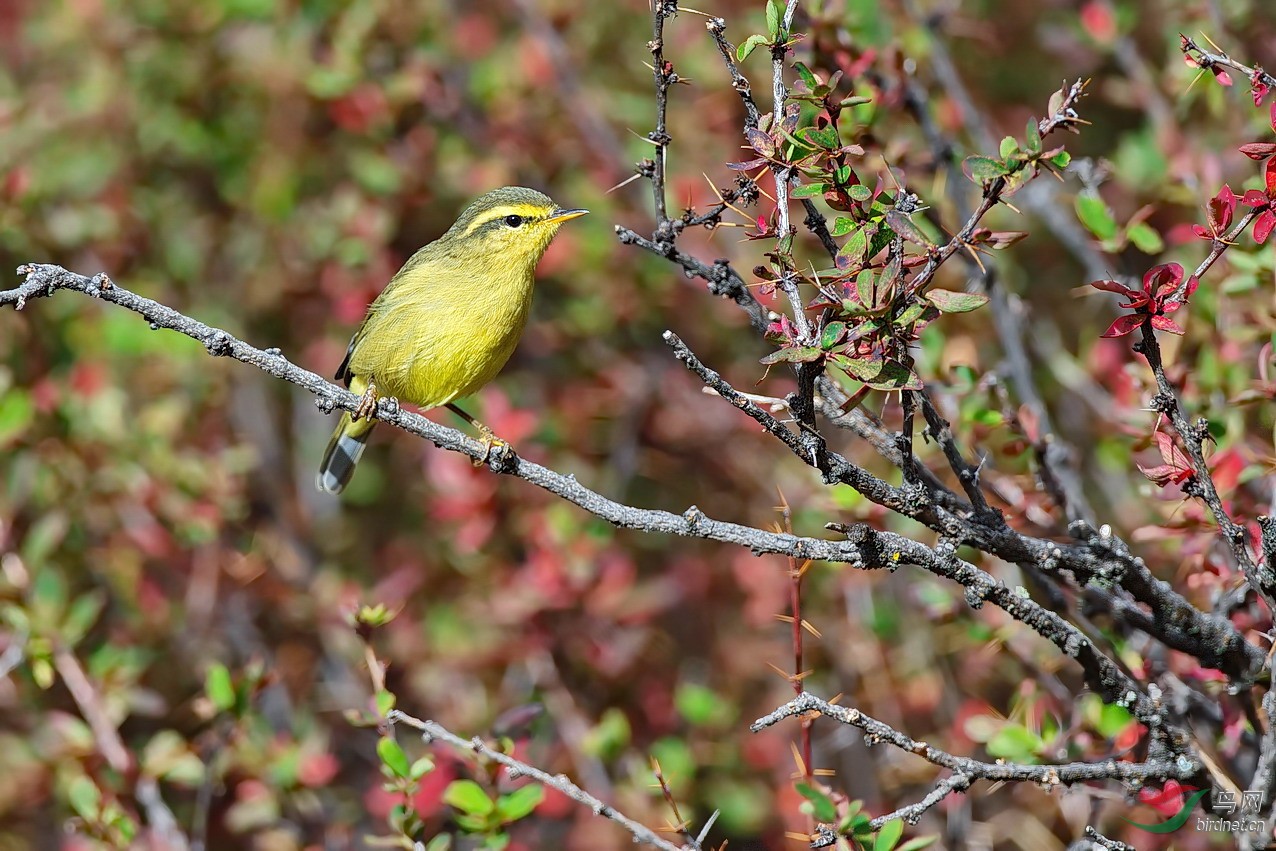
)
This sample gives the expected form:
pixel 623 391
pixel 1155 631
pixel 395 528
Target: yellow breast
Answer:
pixel 438 333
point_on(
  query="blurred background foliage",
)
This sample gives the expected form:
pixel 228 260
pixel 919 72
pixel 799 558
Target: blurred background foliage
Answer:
pixel 266 165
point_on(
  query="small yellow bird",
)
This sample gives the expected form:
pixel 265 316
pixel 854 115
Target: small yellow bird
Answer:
pixel 448 320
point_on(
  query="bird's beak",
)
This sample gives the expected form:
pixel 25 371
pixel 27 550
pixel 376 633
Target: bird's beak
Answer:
pixel 564 215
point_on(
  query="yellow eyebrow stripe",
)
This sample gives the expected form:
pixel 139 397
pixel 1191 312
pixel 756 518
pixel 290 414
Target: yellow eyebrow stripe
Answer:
pixel 527 211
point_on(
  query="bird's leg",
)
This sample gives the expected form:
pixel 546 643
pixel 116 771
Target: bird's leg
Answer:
pixel 367 402
pixel 490 440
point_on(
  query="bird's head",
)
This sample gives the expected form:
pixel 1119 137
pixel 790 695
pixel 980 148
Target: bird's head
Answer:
pixel 510 225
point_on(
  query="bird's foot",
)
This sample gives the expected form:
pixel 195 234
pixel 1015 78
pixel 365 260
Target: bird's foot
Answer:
pixel 490 441
pixel 367 403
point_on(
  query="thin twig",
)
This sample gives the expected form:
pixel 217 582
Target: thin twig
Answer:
pixel 111 746
pixel 432 731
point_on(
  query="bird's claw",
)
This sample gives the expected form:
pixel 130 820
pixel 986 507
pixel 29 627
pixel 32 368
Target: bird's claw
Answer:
pixel 367 403
pixel 490 441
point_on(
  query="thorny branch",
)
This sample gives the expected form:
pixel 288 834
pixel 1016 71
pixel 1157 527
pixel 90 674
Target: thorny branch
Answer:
pixel 1098 557
pixel 1208 61
pixel 864 548
pixel 960 519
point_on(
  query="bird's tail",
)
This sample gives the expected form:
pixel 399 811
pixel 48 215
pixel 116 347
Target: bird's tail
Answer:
pixel 343 452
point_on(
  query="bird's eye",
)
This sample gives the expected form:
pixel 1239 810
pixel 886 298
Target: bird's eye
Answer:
pixel 513 221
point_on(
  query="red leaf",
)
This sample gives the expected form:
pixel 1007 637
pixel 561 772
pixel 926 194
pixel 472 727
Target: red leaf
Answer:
pixel 1123 325
pixel 760 142
pixel 1259 90
pixel 1220 209
pixel 1099 21
pixel 1159 277
pixel 1254 198
pixel 1114 287
pixel 1166 446
pixel 1165 323
pixel 1258 150
pixel 1263 227
pixel 1269 176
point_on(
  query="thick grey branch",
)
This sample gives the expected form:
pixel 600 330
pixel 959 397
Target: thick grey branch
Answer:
pixel 43 280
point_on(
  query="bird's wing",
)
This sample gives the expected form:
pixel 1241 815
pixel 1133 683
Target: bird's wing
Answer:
pixel 343 372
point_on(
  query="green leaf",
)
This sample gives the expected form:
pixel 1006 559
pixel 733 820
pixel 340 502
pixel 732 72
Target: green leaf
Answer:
pixel 519 803
pixel 882 237
pixel 696 703
pixel 794 354
pixel 385 702
pixel 219 688
pixel 984 170
pixel 609 737
pixel 888 835
pixel 17 411
pixel 1017 180
pixel 773 18
pixel 1145 238
pixel 859 192
pixel 1032 136
pixel 855 823
pixel 865 286
pixel 822 806
pixel 953 302
pixel 468 797
pixel 750 44
pixel 879 374
pixel 833 334
pixel 807 190
pixel 891 273
pixel 376 172
pixel 919 843
pixel 1015 742
pixel 393 757
pixel 852 252
pixel 84 797
pixel 81 616
pixel 42 671
pixel 41 540
pixel 48 598
pixel 806 75
pixel 842 226
pixel 1096 216
pixel 1009 147
pixel 420 768
pixel 910 314
pixel 822 137
pixel 1061 159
